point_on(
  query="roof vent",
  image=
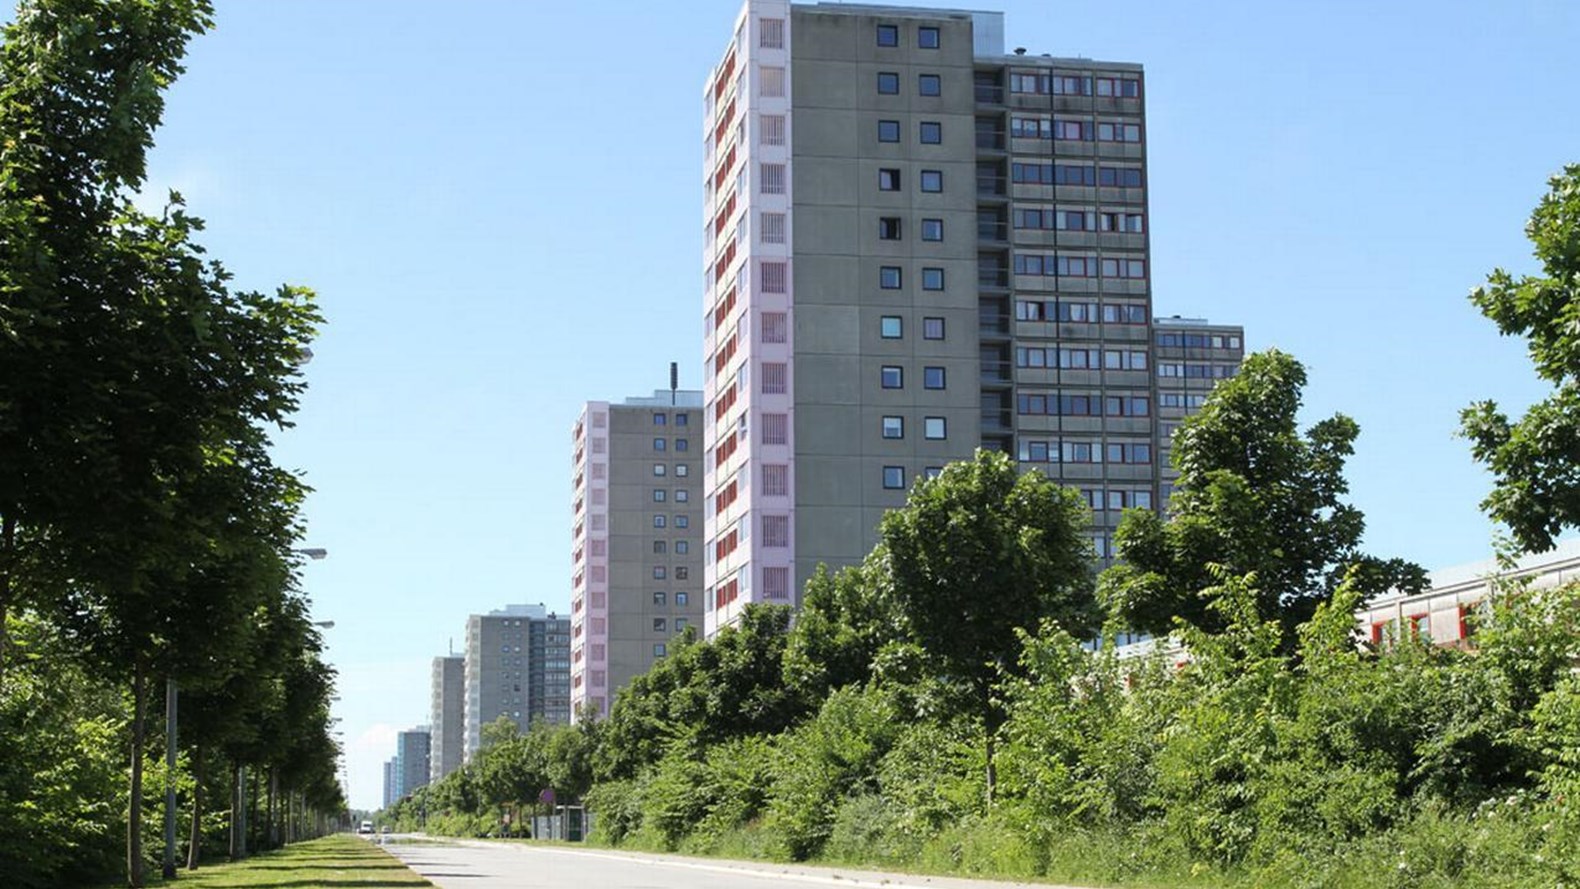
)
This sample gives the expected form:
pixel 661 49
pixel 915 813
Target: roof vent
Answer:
pixel 1020 50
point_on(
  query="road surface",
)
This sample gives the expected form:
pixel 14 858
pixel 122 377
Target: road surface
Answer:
pixel 471 864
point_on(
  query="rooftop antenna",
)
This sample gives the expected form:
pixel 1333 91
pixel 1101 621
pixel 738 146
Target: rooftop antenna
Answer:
pixel 674 381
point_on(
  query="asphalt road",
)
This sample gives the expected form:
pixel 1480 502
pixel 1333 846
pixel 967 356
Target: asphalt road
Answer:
pixel 452 864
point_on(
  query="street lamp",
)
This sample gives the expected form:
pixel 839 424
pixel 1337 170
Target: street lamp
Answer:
pixel 312 552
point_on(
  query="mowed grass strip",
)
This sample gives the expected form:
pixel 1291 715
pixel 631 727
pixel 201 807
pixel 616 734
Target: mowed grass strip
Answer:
pixel 334 862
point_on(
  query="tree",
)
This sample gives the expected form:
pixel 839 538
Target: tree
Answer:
pixel 1535 462
pixel 977 554
pixel 844 621
pixel 1254 496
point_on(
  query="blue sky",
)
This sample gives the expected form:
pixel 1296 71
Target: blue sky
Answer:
pixel 498 203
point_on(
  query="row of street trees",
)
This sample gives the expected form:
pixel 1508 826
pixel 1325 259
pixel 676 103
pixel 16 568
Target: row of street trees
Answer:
pixel 146 535
pixel 939 706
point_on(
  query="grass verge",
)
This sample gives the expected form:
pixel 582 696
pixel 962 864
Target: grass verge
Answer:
pixel 333 861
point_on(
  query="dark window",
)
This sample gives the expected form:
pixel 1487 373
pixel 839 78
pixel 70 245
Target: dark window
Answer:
pixel 927 37
pixel 888 180
pixel 932 229
pixel 888 228
pixel 682 444
pixel 888 131
pixel 888 35
pixel 929 84
pixel 932 132
pixel 658 419
pixel 932 180
pixel 889 277
pixel 888 83
pixel 680 419
pixel 932 279
pixel 932 378
pixel 892 377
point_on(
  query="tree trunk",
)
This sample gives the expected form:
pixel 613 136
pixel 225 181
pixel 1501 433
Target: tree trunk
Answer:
pixel 195 842
pixel 271 815
pixel 989 735
pixel 254 835
pixel 7 557
pixel 134 819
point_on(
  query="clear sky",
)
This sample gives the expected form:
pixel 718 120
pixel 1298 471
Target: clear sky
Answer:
pixel 499 206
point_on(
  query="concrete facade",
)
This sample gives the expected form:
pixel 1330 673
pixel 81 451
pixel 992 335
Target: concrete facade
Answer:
pixel 517 666
pixel 1191 355
pixel 636 539
pixel 447 716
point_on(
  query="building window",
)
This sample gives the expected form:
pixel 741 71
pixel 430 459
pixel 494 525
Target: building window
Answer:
pixel 934 428
pixel 891 327
pixel 660 625
pixel 932 472
pixel 932 279
pixel 931 132
pixel 771 276
pixel 658 598
pixel 932 180
pixel 682 470
pixel 659 494
pixel 772 178
pixel 682 444
pixel 682 547
pixel 894 477
pixel 776 480
pixel 658 469
pixel 1119 177
pixel 771 129
pixel 929 85
pixel 658 649
pixel 775 378
pixel 888 131
pixel 771 33
pixel 660 419
pixel 888 228
pixel 893 427
pixel 888 179
pixel 776 429
pixel 775 328
pixel 932 378
pixel 892 377
pixel 888 83
pixel 776 583
pixel 772 228
pixel 682 574
pixel 1118 132
pixel 927 37
pixel 659 443
pixel 888 35
pixel 889 277
pixel 776 530
pixel 932 229
pixel 682 521
pixel 680 419
pixel 682 598
pixel 659 521
pixel 932 328
pixel 772 82
pixel 680 625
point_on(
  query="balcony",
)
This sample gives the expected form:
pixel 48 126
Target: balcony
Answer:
pixel 997 371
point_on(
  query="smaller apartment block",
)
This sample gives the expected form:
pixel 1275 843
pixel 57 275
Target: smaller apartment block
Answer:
pixel 1442 613
pixel 636 540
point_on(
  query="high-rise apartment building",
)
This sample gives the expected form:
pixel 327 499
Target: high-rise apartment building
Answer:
pixel 391 782
pixel 447 716
pixel 915 245
pixel 1192 355
pixel 517 666
pixel 411 760
pixel 636 539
